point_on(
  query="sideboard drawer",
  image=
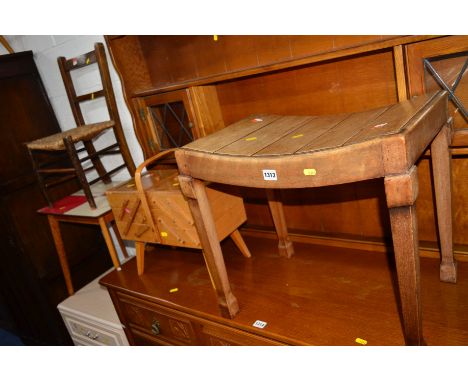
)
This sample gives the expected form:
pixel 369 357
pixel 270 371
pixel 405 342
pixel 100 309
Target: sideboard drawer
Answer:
pixel 164 326
pixel 220 335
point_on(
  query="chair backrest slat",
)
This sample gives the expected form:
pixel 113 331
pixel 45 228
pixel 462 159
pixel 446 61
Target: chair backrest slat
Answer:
pixel 80 61
pixel 90 96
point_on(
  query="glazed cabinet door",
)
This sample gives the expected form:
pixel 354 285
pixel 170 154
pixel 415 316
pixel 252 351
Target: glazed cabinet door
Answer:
pixel 433 65
pixel 173 119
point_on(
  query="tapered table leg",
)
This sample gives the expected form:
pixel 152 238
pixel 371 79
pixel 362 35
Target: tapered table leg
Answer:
pixel 401 192
pixel 441 159
pixel 195 192
pixel 285 245
pixel 119 239
pixel 140 256
pixel 104 224
pixel 60 247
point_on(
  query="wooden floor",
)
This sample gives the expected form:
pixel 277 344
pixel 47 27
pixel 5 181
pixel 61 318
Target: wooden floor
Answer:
pixel 321 296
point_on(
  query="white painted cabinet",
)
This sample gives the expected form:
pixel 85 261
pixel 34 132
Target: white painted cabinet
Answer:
pixel 90 317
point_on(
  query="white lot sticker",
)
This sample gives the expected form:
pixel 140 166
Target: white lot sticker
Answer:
pixel 259 324
pixel 269 175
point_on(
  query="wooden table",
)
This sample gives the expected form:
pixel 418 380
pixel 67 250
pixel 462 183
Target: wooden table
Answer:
pixel 274 152
pixel 75 209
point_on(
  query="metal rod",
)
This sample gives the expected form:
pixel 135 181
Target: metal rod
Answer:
pixel 179 121
pixel 163 128
pixel 442 83
pixel 460 75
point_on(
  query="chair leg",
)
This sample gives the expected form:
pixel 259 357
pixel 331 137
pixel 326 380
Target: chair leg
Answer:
pixel 71 150
pixel 240 243
pixel 124 151
pixel 112 108
pixel 440 154
pixel 96 160
pixel 39 177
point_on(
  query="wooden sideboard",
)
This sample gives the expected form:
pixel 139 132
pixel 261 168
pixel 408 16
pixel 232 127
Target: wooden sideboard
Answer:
pixel 321 296
pixel 220 82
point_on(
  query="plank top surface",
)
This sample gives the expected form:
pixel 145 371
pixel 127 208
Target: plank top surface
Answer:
pixel 273 135
pixel 320 296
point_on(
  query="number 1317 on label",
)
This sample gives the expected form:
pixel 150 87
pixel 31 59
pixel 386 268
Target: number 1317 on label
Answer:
pixel 269 175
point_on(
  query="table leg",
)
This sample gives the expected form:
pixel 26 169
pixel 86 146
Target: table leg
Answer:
pixel 109 242
pixel 119 239
pixel 441 169
pixel 401 193
pixel 140 256
pixel 285 245
pixel 57 236
pixel 195 192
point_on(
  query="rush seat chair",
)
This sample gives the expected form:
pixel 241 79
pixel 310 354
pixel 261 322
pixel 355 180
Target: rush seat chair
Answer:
pixel 76 146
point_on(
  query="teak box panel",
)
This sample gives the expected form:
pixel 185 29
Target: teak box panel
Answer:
pixel 170 211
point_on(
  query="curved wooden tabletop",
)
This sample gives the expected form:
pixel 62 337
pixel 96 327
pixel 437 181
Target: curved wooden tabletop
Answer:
pixel 272 151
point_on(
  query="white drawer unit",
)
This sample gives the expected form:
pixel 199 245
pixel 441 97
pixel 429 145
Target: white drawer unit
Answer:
pixel 90 317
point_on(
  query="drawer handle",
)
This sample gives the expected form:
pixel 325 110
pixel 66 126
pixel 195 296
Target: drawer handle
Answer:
pixel 155 327
pixel 95 337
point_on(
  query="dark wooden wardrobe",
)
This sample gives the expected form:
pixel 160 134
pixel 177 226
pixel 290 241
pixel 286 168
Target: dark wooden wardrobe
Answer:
pixel 31 283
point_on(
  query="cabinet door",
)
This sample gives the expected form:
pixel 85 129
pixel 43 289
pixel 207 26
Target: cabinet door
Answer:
pixel 176 118
pixel 447 56
pixel 166 121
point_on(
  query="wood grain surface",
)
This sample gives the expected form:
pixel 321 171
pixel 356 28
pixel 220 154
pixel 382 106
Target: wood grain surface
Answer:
pixel 320 296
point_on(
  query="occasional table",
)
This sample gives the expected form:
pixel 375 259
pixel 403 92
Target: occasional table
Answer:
pixel 75 209
pixel 277 152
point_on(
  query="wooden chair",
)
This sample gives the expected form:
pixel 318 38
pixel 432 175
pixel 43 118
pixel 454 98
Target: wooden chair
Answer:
pixel 152 209
pixel 46 166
